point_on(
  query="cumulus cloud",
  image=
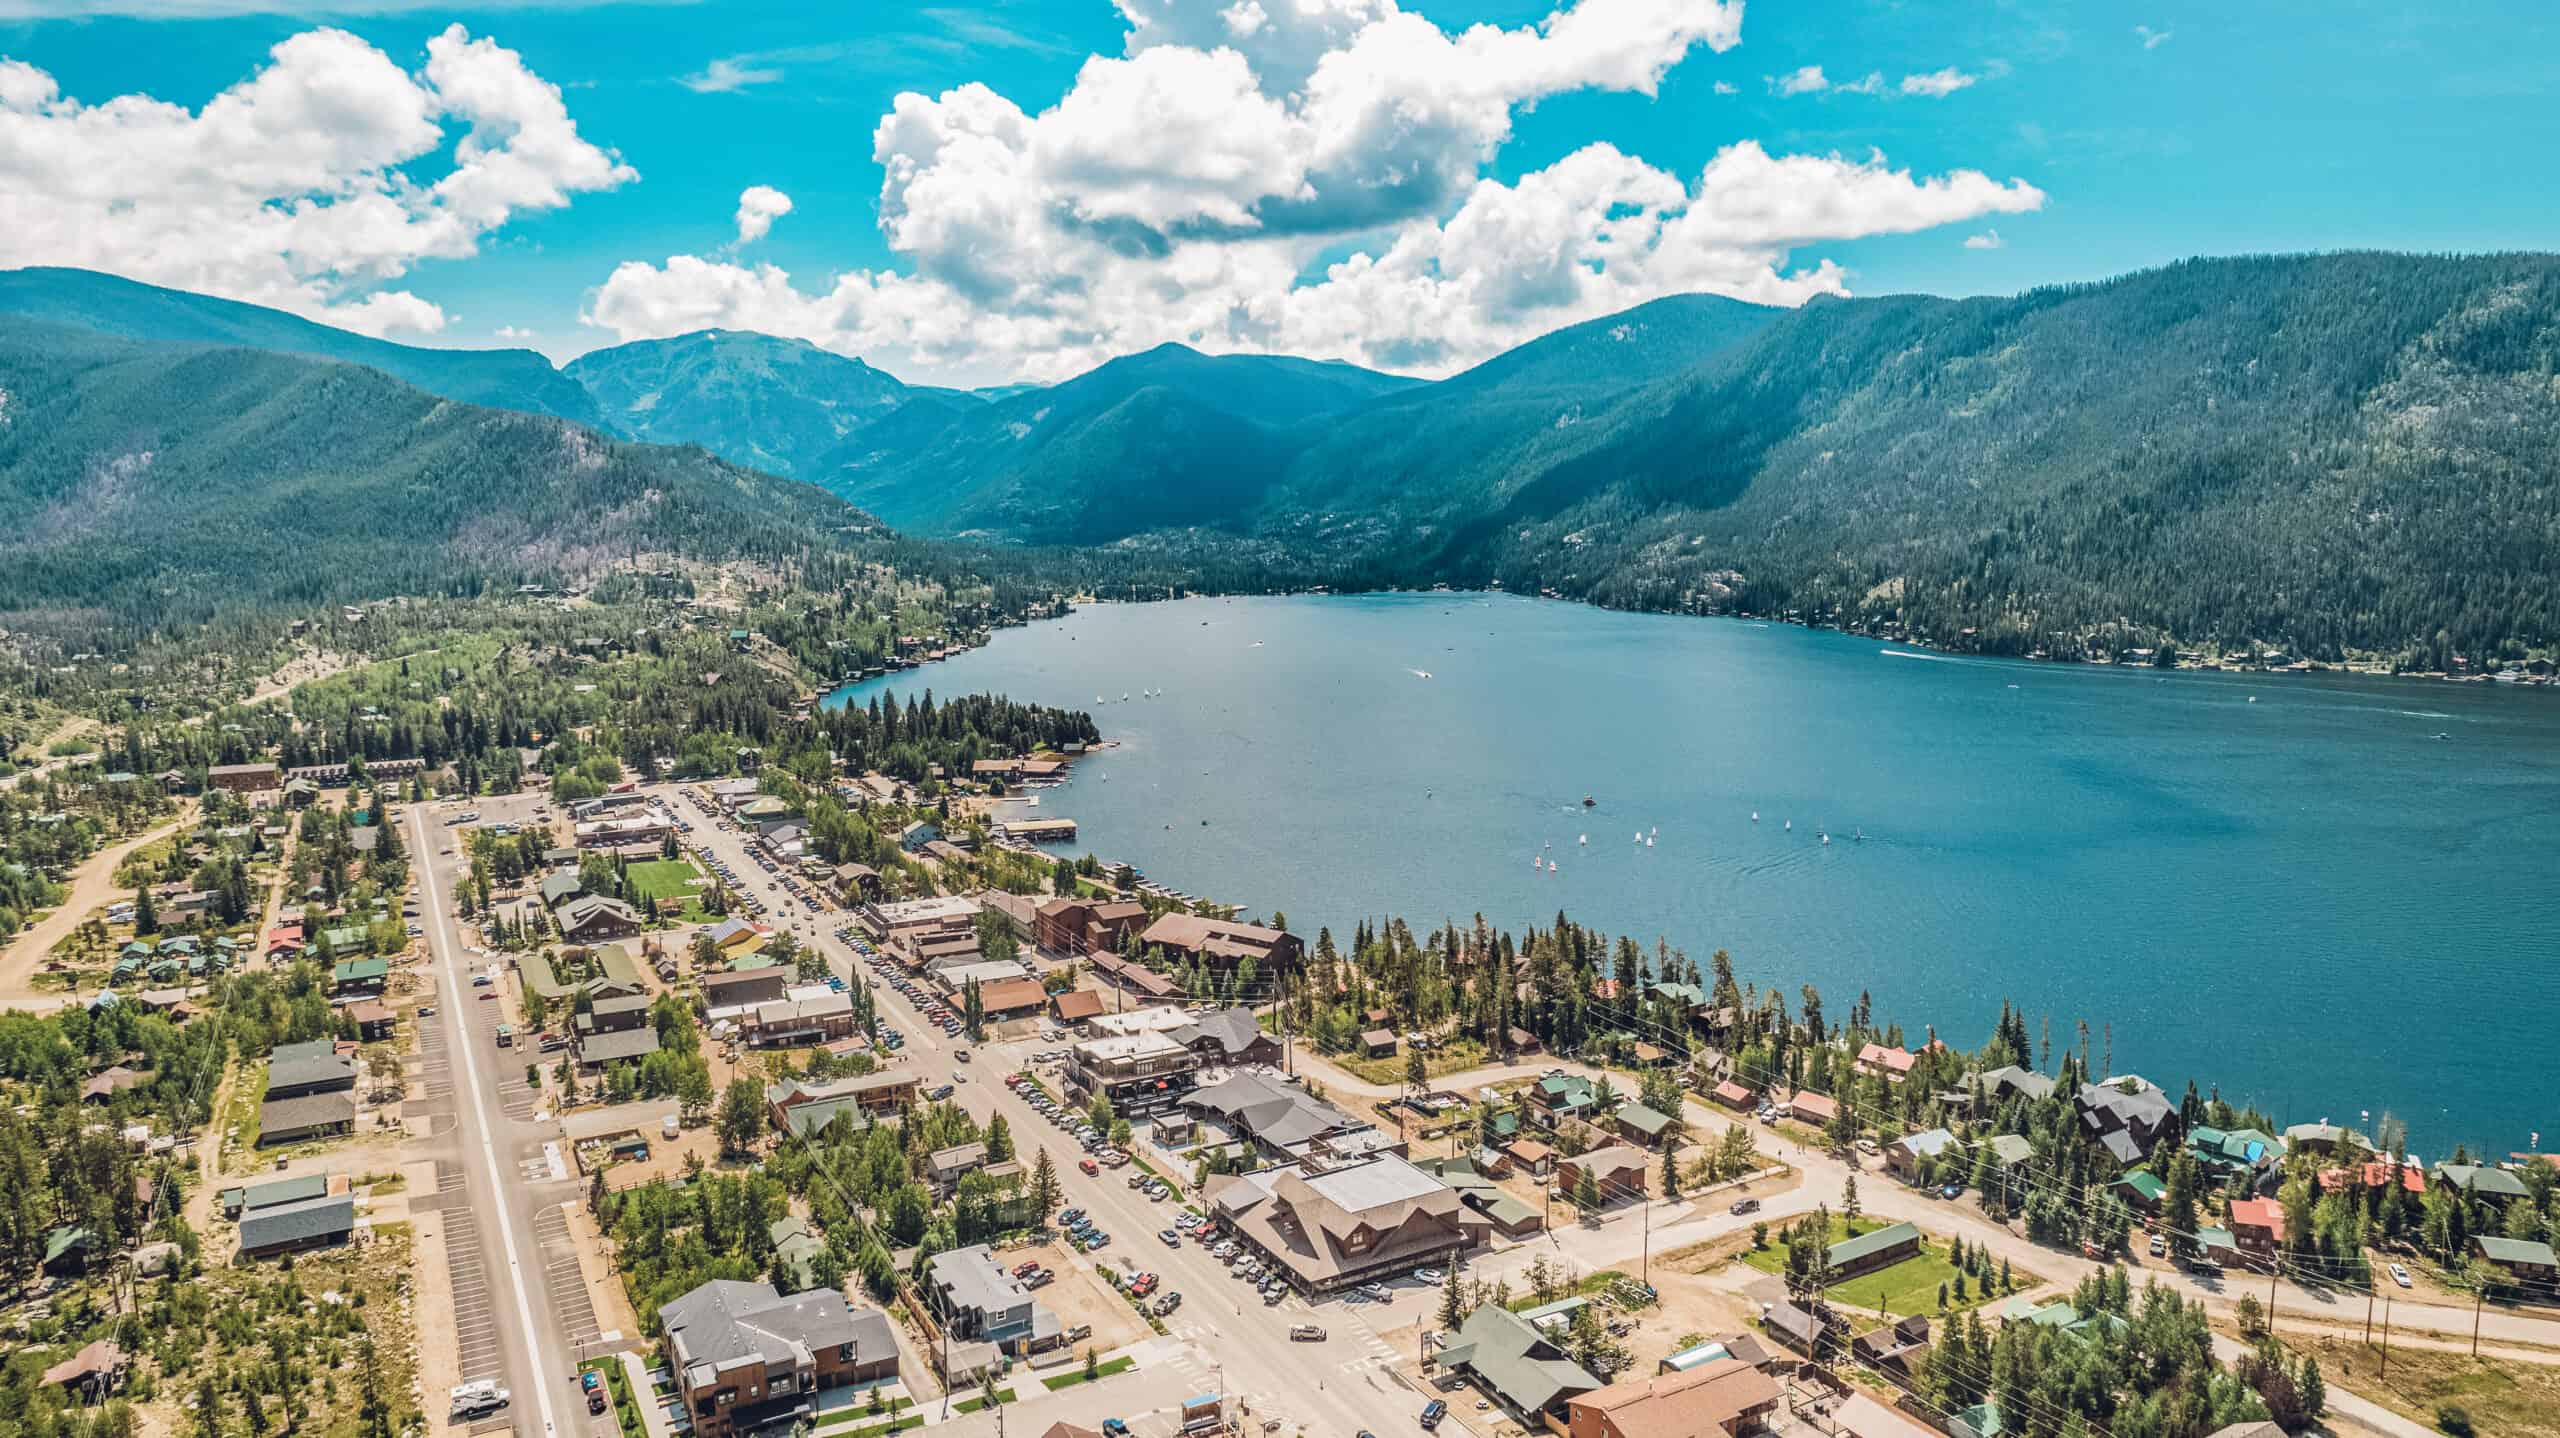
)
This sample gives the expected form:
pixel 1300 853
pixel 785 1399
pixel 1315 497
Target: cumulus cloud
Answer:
pixel 2152 39
pixel 1938 84
pixel 1302 176
pixel 510 332
pixel 1988 240
pixel 758 207
pixel 291 187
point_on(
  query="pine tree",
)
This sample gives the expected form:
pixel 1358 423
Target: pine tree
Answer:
pixel 146 918
pixel 1452 1307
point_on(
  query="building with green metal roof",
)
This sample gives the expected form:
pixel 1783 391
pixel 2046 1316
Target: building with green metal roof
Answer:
pixel 1867 1252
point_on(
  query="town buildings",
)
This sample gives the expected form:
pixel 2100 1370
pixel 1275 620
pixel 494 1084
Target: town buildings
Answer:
pixel 746 1356
pixel 1345 1226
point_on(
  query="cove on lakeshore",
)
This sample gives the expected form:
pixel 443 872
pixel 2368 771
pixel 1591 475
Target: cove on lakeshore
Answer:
pixel 2331 896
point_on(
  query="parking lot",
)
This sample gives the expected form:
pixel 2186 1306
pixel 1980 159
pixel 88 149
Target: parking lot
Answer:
pixel 759 887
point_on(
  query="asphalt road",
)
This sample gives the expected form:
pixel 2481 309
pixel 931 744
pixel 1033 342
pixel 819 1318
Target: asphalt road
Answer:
pixel 528 1308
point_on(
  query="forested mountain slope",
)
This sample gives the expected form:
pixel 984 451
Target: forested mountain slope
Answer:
pixel 156 484
pixel 1166 437
pixel 775 404
pixel 2347 452
pixel 506 379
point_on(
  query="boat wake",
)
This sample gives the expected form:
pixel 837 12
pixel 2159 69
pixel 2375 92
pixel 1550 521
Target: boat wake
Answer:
pixel 1932 658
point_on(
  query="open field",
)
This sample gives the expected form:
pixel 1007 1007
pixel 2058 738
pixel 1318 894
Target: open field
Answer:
pixel 2504 1398
pixel 659 880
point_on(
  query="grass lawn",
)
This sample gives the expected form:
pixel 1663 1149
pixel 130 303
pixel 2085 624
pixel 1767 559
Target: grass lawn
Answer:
pixel 972 1405
pixel 1908 1287
pixel 664 879
pixel 2504 1398
pixel 861 1413
pixel 899 1424
pixel 1121 1364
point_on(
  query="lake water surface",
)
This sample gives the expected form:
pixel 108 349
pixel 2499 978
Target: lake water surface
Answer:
pixel 2332 896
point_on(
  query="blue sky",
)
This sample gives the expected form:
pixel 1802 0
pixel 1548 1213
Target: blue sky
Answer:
pixel 566 176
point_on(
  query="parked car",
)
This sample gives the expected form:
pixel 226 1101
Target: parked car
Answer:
pixel 2399 1275
pixel 1745 1205
pixel 595 1400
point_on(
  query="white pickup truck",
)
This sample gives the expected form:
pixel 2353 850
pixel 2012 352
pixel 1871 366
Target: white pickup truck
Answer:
pixel 478 1398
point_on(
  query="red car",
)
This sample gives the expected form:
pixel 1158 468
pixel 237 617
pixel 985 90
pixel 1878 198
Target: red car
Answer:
pixel 1025 1270
pixel 1088 1165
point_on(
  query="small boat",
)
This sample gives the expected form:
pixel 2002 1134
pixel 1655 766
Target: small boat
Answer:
pixel 1648 841
pixel 1639 836
pixel 1791 826
pixel 1588 801
pixel 1755 816
pixel 1584 839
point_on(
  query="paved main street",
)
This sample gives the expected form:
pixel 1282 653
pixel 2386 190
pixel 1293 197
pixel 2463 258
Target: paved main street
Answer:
pixel 515 1306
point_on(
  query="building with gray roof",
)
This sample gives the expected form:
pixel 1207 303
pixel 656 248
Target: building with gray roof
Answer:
pixel 288 1227
pixel 980 1302
pixel 298 1120
pixel 746 1357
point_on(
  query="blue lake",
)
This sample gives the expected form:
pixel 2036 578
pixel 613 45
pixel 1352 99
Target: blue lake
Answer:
pixel 2330 896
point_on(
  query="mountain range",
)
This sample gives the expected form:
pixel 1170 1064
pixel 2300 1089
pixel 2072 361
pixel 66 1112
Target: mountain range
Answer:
pixel 2327 454
pixel 108 304
pixel 157 483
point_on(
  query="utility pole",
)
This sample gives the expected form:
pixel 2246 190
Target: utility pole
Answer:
pixel 2479 1298
pixel 2386 1335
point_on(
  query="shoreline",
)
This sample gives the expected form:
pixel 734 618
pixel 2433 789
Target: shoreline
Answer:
pixel 1931 649
pixel 2439 1113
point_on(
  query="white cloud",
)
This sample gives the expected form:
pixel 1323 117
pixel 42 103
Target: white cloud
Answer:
pixel 232 9
pixel 1727 87
pixel 2152 39
pixel 1988 240
pixel 1300 176
pixel 510 332
pixel 724 75
pixel 758 207
pixel 1938 84
pixel 1807 80
pixel 290 188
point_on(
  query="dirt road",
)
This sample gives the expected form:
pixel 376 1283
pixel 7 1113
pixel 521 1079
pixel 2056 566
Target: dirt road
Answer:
pixel 92 884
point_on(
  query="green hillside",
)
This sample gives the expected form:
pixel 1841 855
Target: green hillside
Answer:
pixel 505 379
pixel 1169 437
pixel 2326 454
pixel 774 404
pixel 160 484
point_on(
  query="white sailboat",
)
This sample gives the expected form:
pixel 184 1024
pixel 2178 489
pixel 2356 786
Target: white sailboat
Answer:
pixel 1648 841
